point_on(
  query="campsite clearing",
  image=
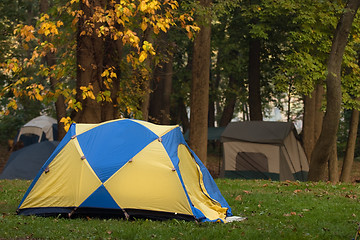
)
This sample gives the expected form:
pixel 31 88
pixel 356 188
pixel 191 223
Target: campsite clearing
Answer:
pixel 275 210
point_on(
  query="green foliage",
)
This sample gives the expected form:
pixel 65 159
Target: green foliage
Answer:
pixel 275 210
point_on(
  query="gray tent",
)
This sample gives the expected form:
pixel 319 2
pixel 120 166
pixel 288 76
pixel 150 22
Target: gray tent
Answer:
pixel 26 162
pixel 263 150
pixel 39 129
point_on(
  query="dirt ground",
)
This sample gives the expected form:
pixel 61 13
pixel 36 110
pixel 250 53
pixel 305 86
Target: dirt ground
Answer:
pixel 213 164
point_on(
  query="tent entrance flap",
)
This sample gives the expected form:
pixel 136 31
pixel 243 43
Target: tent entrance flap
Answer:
pixel 195 188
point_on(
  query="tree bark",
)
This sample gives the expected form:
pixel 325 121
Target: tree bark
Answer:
pixel 333 165
pixel 309 125
pixel 254 80
pixel 230 102
pixel 324 145
pixel 200 86
pixel 159 110
pixel 89 56
pixel 112 57
pixel 94 55
pixel 350 147
pixel 312 121
pixel 319 114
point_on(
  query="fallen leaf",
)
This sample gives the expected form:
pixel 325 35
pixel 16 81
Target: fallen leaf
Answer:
pixel 297 191
pixel 247 192
pixel 289 214
pixel 238 198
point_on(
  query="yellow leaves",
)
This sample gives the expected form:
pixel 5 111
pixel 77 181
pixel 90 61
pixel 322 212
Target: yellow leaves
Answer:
pixel 87 92
pixel 59 24
pixel 147 48
pixel 162 26
pixel 104 96
pixel 131 38
pixel 12 104
pixel 113 75
pixel 47 27
pixel 67 122
pixel 143 56
pixel 108 74
pixel 191 29
pixel 149 6
pixel 143 25
pixel 35 91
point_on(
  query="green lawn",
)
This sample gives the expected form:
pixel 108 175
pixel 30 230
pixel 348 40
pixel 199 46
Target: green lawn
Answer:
pixel 275 210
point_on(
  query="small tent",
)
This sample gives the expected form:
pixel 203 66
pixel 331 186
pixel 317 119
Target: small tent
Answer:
pixel 42 128
pixel 263 150
pixel 26 162
pixel 128 168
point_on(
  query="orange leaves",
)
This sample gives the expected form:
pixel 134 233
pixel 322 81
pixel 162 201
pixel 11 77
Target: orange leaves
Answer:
pixel 26 32
pixel 36 91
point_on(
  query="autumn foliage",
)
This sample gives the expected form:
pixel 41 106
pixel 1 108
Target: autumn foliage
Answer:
pixel 55 34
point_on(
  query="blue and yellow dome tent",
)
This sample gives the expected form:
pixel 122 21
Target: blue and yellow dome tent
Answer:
pixel 125 167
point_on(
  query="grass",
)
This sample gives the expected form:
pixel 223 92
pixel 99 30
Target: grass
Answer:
pixel 275 210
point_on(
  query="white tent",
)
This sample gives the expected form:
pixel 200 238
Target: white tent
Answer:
pixel 39 126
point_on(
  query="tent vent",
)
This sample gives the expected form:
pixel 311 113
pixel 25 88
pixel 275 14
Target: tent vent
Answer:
pixel 83 157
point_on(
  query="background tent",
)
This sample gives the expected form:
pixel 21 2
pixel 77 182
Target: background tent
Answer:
pixel 42 128
pixel 126 168
pixel 214 133
pixel 26 162
pixel 263 150
pixel 214 150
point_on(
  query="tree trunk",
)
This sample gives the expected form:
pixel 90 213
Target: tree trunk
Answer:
pixel 159 110
pixel 50 59
pixel 333 165
pixel 112 58
pixel 230 102
pixel 90 55
pixel 350 147
pixel 200 87
pixel 94 55
pixel 214 86
pixel 324 145
pixel 312 121
pixel 308 125
pixel 319 114
pixel 254 80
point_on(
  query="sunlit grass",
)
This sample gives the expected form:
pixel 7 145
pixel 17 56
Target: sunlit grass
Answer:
pixel 275 210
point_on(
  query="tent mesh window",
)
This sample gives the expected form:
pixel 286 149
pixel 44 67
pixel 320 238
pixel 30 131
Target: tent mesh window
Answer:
pixel 251 161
